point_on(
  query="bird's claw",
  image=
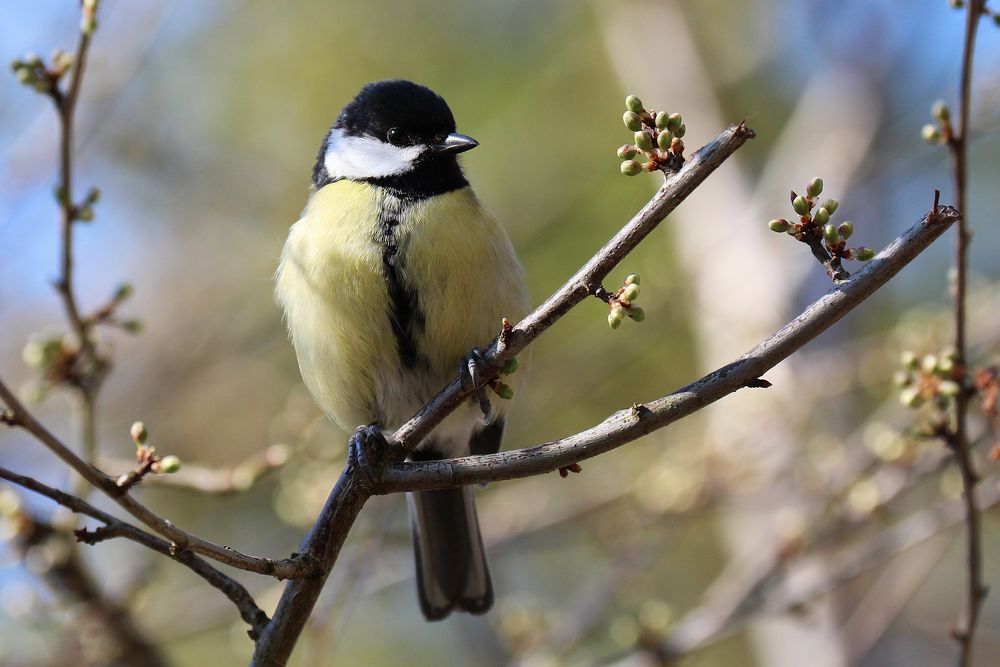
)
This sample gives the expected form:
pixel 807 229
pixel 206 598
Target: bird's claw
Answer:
pixel 471 372
pixel 366 451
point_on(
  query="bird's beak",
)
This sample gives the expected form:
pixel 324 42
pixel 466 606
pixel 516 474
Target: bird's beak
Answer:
pixel 456 143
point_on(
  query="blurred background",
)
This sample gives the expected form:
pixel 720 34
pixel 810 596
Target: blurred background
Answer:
pixel 802 524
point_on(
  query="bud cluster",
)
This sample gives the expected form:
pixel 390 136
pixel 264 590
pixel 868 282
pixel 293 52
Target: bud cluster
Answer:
pixel 814 225
pixel 55 355
pixel 502 389
pixel 942 132
pixel 658 140
pixel 622 303
pixel 32 71
pixel 146 459
pixel 931 379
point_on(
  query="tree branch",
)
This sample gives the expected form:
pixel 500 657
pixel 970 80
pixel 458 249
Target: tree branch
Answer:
pixel 287 568
pixel 237 594
pixel 630 424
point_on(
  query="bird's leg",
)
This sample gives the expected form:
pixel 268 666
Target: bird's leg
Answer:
pixel 471 370
pixel 366 452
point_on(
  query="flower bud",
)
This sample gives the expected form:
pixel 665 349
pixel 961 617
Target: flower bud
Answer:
pixel 929 363
pixel 631 167
pixel 631 292
pixel 632 121
pixel 779 225
pixel 85 214
pixel 831 205
pixel 931 134
pixel 131 326
pixel 139 433
pixel 633 104
pixel 632 279
pixel 941 112
pixel 616 315
pixel 949 388
pixel 815 187
pixel 911 397
pixel 822 216
pixel 902 379
pixel 864 254
pixel 510 366
pixel 846 229
pixel 168 464
pixel 800 205
pixel 644 140
pixel 637 313
pixel 502 390
pixel 674 121
pixel 122 292
pixel 663 140
pixel 680 131
pixel 661 120
pixel 909 359
pixel 627 152
pixel 830 234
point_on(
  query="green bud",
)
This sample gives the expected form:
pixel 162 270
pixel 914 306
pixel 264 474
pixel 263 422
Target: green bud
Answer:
pixel 33 354
pixel 949 388
pixel 662 119
pixel 634 104
pixel 24 75
pixel 644 140
pixel 93 195
pixel 815 187
pixel 139 433
pixel 632 121
pixel 85 214
pixel 822 216
pixel 909 359
pixel 902 379
pixel 864 254
pixel 511 366
pixel 32 59
pixel 800 205
pixel 616 315
pixel 627 152
pixel 956 4
pixel 929 363
pixel 168 464
pixel 680 131
pixel 637 313
pixel 122 292
pixel 830 234
pixel 132 326
pixel 631 167
pixel 504 391
pixel 632 279
pixel 631 292
pixel 663 140
pixel 941 112
pixel 674 121
pixel 931 134
pixel 911 397
pixel 996 19
pixel 831 205
pixel 60 193
pixel 846 229
pixel 779 225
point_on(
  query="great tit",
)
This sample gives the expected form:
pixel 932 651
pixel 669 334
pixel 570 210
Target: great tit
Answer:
pixel 394 272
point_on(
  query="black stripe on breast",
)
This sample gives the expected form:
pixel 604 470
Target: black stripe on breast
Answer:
pixel 406 318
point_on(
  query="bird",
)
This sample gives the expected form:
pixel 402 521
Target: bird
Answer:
pixel 392 281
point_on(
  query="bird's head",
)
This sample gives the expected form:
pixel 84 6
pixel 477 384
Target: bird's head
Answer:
pixel 392 131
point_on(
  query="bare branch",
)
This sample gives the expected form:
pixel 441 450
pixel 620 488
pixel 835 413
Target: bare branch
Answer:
pixel 630 424
pixel 113 527
pixel 287 568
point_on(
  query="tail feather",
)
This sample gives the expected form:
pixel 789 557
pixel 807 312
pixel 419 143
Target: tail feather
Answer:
pixel 451 562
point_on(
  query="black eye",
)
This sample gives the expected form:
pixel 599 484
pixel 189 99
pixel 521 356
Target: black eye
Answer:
pixel 396 136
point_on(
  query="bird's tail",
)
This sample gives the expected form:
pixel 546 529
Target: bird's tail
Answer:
pixel 451 562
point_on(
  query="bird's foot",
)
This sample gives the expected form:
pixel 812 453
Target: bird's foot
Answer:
pixel 472 371
pixel 366 453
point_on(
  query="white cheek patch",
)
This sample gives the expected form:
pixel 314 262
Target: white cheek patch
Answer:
pixel 366 157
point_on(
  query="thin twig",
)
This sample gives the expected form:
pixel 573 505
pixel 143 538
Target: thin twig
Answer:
pixel 113 527
pixel 287 568
pixel 957 437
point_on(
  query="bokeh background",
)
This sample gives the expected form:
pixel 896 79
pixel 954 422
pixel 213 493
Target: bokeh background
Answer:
pixel 200 123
